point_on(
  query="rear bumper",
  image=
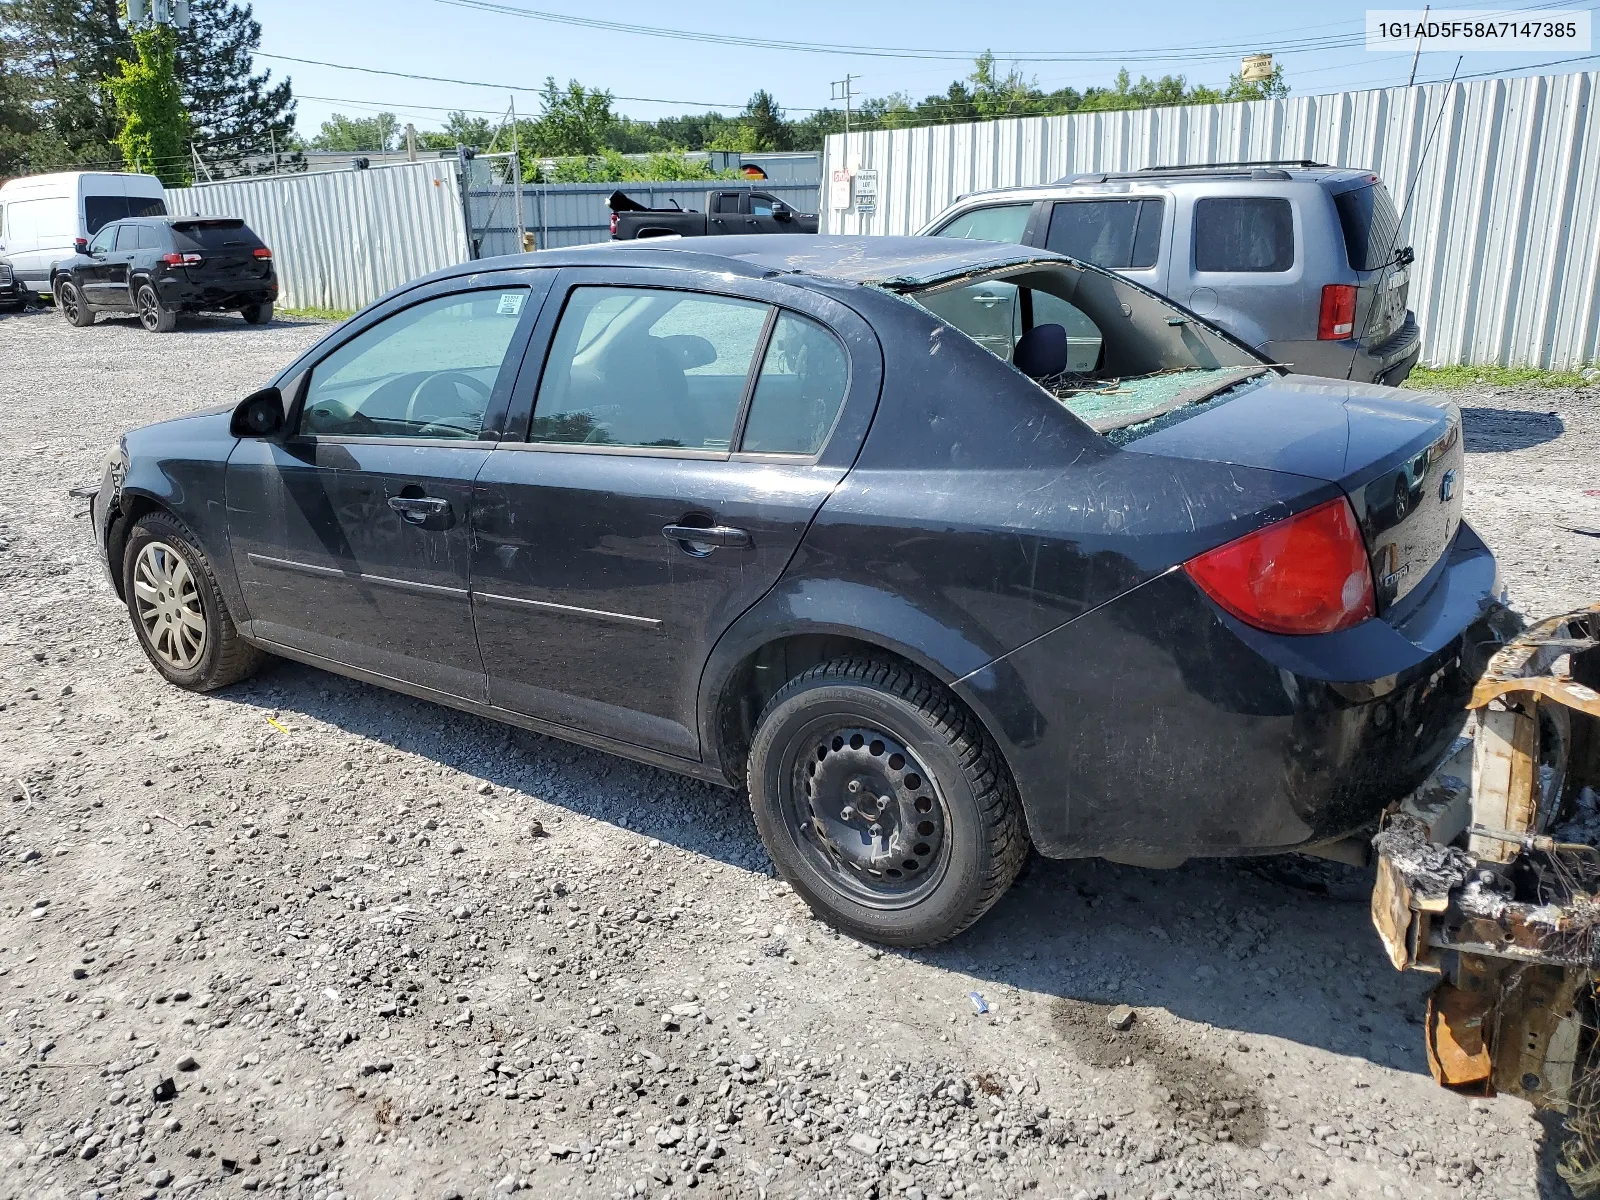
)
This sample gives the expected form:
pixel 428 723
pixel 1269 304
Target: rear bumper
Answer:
pixel 1390 362
pixel 1157 728
pixel 224 294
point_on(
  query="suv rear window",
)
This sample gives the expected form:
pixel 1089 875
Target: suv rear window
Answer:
pixel 99 211
pixel 1243 233
pixel 219 234
pixel 1371 226
pixel 1115 234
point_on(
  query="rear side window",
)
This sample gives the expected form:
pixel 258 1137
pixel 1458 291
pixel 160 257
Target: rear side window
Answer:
pixel 221 234
pixel 1115 234
pixel 728 202
pixel 127 237
pixel 799 391
pixel 647 367
pixel 1243 233
pixel 1371 226
pixel 1002 223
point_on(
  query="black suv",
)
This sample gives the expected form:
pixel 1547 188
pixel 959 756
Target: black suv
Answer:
pixel 158 267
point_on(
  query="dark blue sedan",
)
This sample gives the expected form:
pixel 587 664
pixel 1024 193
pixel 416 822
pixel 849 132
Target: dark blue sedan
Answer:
pixel 940 548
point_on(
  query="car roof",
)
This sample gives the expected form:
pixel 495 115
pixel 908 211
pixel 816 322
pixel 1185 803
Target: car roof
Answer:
pixel 1249 172
pixel 899 263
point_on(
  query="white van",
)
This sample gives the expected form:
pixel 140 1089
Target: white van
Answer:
pixel 41 216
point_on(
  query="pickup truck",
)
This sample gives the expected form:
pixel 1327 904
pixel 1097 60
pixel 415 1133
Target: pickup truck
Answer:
pixel 732 211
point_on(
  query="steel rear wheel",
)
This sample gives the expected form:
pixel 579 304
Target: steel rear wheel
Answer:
pixel 152 315
pixel 884 803
pixel 178 613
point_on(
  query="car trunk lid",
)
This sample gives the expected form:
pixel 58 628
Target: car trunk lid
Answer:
pixel 1396 455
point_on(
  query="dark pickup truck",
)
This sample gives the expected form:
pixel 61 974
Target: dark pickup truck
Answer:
pixel 737 210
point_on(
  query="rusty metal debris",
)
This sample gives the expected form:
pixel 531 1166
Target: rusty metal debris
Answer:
pixel 1489 876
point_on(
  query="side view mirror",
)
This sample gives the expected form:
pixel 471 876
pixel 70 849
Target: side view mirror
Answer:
pixel 81 245
pixel 781 211
pixel 1405 256
pixel 260 414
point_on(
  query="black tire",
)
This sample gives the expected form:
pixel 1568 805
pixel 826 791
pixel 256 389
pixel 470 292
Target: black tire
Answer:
pixel 72 304
pixel 863 731
pixel 257 314
pixel 153 315
pixel 221 656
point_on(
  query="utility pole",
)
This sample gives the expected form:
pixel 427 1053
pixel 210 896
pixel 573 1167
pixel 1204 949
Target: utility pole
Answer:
pixel 841 91
pixel 516 179
pixel 274 135
pixel 1418 54
pixel 411 142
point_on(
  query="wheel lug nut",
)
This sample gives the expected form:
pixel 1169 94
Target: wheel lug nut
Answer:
pixel 854 785
pixel 876 829
pixel 847 813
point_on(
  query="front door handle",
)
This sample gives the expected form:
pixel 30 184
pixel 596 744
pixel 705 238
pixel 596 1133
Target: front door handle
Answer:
pixel 716 535
pixel 418 509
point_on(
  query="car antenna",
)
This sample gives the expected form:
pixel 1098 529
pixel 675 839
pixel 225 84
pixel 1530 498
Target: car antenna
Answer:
pixel 1405 211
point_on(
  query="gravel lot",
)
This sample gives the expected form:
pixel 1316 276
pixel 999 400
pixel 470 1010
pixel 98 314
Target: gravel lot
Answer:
pixel 382 949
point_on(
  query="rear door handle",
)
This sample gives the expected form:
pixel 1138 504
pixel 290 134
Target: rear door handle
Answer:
pixel 716 535
pixel 418 509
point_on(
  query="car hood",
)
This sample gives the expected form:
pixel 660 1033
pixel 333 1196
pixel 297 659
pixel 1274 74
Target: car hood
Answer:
pixel 1304 425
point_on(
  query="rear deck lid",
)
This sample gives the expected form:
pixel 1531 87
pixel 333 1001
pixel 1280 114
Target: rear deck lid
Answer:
pixel 1396 455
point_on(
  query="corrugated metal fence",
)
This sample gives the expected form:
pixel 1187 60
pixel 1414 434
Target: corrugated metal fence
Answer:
pixel 1506 210
pixel 576 214
pixel 342 239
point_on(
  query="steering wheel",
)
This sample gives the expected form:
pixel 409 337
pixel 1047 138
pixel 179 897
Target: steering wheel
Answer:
pixel 447 379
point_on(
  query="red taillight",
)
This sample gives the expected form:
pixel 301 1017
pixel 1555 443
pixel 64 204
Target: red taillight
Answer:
pixel 261 252
pixel 182 260
pixel 1308 574
pixel 1338 318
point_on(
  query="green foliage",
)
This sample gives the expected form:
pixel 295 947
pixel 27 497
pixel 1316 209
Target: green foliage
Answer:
pixel 155 124
pixel 459 130
pixel 1448 379
pixel 376 133
pixel 316 314
pixel 574 120
pixel 55 112
pixel 612 166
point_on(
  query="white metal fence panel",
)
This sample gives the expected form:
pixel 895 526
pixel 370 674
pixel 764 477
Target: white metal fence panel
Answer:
pixel 1504 210
pixel 342 239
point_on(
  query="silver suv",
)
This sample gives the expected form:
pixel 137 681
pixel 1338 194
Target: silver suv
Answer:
pixel 1296 259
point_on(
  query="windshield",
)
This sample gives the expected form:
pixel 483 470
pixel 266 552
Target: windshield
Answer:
pixel 1112 354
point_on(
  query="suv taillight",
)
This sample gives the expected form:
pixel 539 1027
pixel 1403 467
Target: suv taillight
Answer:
pixel 1308 574
pixel 182 260
pixel 261 252
pixel 1338 318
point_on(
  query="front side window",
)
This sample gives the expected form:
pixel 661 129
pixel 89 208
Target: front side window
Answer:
pixel 1115 234
pixel 104 240
pixel 1243 233
pixel 802 383
pixel 1000 223
pixel 761 206
pixel 647 367
pixel 426 372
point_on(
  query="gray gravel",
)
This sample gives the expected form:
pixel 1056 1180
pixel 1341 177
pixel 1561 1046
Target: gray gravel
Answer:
pixel 307 938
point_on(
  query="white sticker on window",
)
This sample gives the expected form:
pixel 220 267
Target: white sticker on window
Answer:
pixel 510 304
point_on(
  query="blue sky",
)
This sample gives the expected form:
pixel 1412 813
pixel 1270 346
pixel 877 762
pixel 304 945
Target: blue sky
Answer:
pixel 444 38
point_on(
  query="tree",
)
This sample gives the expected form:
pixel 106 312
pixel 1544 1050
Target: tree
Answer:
pixel 376 133
pixel 232 112
pixel 56 55
pixel 155 127
pixel 1257 89
pixel 461 130
pixel 764 119
pixel 575 120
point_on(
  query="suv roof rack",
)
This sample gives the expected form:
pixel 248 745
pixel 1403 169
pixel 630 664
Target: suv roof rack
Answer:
pixel 1269 168
pixel 1224 166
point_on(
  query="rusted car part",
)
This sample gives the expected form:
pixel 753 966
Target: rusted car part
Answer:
pixel 1488 876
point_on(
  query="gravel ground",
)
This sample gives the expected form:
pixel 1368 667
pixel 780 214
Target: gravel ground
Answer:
pixel 308 938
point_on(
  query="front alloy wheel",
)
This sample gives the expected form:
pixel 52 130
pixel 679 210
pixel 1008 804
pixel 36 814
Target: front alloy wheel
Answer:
pixel 168 606
pixel 71 303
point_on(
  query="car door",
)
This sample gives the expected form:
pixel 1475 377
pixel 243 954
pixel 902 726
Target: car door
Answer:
pixel 726 215
pixel 1246 261
pixel 119 265
pixel 93 269
pixel 680 444
pixel 351 535
pixel 758 215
